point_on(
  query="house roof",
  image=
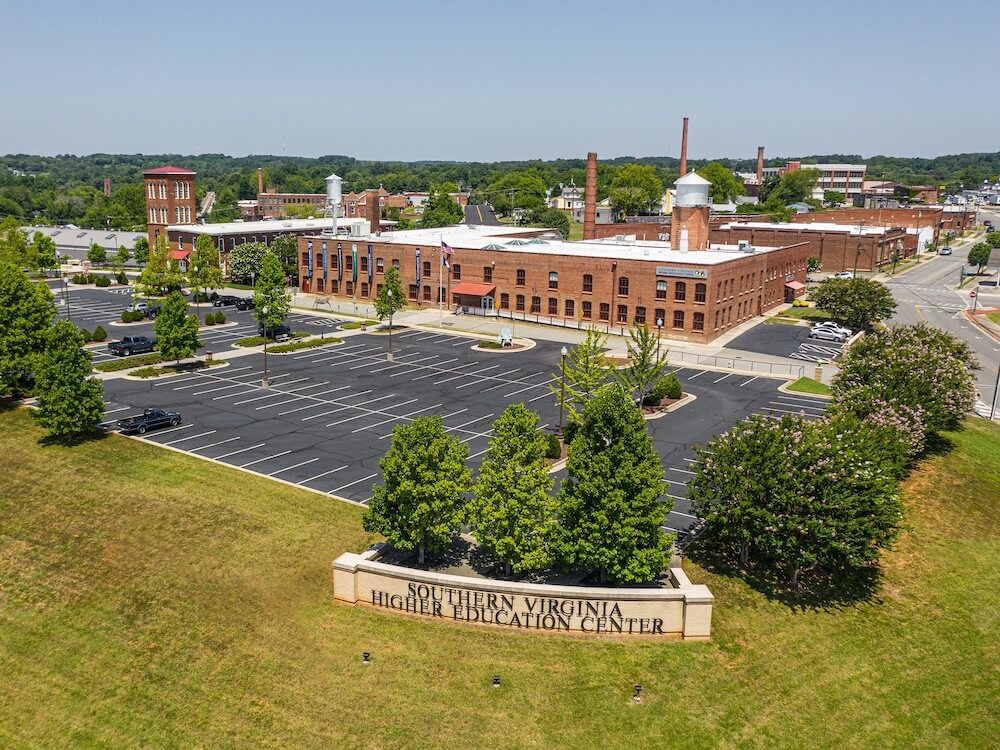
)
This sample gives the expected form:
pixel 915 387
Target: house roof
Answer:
pixel 473 288
pixel 168 170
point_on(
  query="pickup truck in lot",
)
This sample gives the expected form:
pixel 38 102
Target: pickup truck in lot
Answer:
pixel 147 310
pixel 130 345
pixel 150 419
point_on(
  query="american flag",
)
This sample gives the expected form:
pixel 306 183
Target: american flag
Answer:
pixel 446 248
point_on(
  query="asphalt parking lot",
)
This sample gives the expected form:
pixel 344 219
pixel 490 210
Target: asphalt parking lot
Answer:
pixel 785 340
pixel 326 419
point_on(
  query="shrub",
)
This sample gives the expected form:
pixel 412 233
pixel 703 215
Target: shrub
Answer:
pixel 355 324
pixel 210 319
pixel 570 430
pixel 131 317
pixel 99 333
pixel 213 296
pixel 220 317
pixel 91 278
pixel 800 303
pixel 297 345
pixel 553 449
pixel 666 387
pixel 121 278
pixel 86 335
pixel 102 281
pixel 117 365
pixel 79 279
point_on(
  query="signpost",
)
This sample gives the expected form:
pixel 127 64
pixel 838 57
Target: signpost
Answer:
pixel 975 299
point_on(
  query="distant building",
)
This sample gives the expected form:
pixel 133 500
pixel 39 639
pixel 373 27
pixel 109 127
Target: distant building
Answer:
pixel 569 199
pixel 75 242
pixel 843 178
pixel 170 199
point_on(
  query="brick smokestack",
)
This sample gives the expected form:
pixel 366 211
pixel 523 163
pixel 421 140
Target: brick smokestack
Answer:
pixel 374 212
pixel 107 187
pixel 260 180
pixel 684 148
pixel 590 198
pixel 760 165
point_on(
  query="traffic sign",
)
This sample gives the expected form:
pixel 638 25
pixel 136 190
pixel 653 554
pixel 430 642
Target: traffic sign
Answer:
pixel 972 294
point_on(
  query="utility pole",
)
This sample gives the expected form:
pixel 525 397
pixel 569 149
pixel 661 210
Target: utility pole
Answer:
pixel 857 253
pixel 996 392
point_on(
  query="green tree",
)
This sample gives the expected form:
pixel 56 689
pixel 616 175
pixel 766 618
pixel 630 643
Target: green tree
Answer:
pixel 858 303
pixel 979 255
pixel 97 254
pixel 176 331
pixel 635 189
pixel 813 264
pixel 140 251
pixel 121 258
pixel 921 367
pixel 13 243
pixel 26 313
pixel 582 372
pixel 833 197
pixel 390 298
pixel 993 239
pixel 70 401
pixel 204 272
pixel 271 294
pixel 513 513
pixel 441 210
pixel 517 189
pixel 421 503
pixel 286 247
pixel 610 513
pixel 646 363
pixel 44 251
pixel 794 186
pixel 246 261
pixel 761 497
pixel 550 217
pixel 160 274
pixel 725 185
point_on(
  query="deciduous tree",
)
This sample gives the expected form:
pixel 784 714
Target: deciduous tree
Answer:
pixel 161 274
pixel 725 185
pixel 513 513
pixel 858 303
pixel 646 363
pixel 979 255
pixel 140 251
pixel 97 254
pixel 421 503
pixel 635 189
pixel 271 294
pixel 246 261
pixel 176 331
pixel 390 298
pixel 584 370
pixel 204 272
pixel 44 251
pixel 69 401
pixel 26 313
pixel 610 512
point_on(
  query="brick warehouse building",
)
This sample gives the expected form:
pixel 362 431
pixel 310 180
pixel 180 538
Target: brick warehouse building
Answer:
pixel 698 290
pixel 170 199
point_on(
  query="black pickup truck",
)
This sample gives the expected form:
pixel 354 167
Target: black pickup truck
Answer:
pixel 130 345
pixel 150 419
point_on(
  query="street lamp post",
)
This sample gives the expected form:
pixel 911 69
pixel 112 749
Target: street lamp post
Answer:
pixel 263 315
pixel 562 386
pixel 659 331
pixel 69 312
pixel 996 392
pixel 388 355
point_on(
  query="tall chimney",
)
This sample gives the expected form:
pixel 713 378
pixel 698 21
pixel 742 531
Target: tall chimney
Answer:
pixel 684 148
pixel 760 165
pixel 107 187
pixel 374 212
pixel 590 198
pixel 260 180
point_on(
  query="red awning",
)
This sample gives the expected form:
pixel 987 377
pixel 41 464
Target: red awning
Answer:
pixel 473 289
pixel 796 285
pixel 180 254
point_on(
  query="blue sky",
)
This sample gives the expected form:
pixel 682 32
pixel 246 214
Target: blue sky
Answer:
pixel 501 80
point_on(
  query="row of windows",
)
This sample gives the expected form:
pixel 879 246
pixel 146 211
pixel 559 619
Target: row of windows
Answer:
pixel 659 318
pixel 182 190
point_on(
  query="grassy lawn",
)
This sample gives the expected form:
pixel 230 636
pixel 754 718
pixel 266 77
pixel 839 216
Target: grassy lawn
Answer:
pixel 808 385
pixel 805 313
pixel 575 230
pixel 149 599
pixel 994 316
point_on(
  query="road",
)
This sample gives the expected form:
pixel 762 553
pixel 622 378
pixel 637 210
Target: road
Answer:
pixel 926 293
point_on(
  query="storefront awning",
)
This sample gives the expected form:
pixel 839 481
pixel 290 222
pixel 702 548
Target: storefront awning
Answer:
pixel 473 289
pixel 796 285
pixel 180 254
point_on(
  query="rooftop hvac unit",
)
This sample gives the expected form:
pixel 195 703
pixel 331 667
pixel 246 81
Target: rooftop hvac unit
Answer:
pixel 619 238
pixel 744 246
pixel 357 229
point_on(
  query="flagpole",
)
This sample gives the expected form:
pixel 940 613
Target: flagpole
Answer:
pixel 441 280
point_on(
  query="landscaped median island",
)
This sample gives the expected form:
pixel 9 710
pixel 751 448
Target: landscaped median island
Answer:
pixel 177 369
pixel 354 325
pixel 304 344
pixel 252 341
pixel 128 363
pixel 808 385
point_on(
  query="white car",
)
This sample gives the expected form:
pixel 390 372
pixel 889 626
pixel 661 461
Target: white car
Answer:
pixel 825 334
pixel 831 326
pixel 843 275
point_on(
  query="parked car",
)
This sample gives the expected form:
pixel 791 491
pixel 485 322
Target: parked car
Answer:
pixel 244 303
pixel 825 334
pixel 150 419
pixel 831 326
pixel 130 345
pixel 944 251
pixel 275 332
pixel 225 300
pixel 843 275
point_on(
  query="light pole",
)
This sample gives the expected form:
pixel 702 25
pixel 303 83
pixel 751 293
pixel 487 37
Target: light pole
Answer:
pixel 659 330
pixel 562 386
pixel 996 392
pixel 857 254
pixel 263 315
pixel 69 313
pixel 388 355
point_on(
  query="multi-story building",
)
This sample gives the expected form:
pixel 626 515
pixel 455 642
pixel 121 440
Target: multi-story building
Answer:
pixel 170 199
pixel 689 288
pixel 844 178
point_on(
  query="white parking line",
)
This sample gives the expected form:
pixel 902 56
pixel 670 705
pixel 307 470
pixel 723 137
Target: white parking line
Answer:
pixel 747 382
pixel 293 466
pixel 700 372
pixel 325 473
pixel 471 421
pixel 351 484
pixel 682 471
pixel 367 413
pixel 307 406
pixel 464 374
pixel 802 398
pixel 169 429
pixel 675 497
pixel 191 437
pixel 241 450
pixel 393 419
pixel 435 373
pixel 798 405
pixel 344 406
pixel 477 379
pixel 212 445
pixel 727 375
pixel 213 390
pixel 800 413
pixel 686 515
pixel 266 458
pixel 463 341
pixel 112 411
pixel 270 395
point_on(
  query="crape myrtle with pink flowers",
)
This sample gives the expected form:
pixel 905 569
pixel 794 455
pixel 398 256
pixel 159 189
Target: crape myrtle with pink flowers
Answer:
pixel 797 497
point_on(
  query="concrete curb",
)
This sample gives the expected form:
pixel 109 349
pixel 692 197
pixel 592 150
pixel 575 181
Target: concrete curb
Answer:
pixel 785 389
pixel 972 318
pixel 685 399
pixel 525 345
pixel 125 373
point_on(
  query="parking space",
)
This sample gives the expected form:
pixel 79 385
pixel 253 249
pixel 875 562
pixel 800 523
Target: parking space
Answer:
pixel 327 417
pixel 784 340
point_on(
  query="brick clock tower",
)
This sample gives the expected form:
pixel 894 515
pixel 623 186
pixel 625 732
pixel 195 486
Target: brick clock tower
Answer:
pixel 170 199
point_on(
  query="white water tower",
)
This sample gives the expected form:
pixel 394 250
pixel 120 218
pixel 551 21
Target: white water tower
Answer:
pixel 334 197
pixel 692 191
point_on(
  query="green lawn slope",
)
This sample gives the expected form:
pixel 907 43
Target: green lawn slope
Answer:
pixel 148 599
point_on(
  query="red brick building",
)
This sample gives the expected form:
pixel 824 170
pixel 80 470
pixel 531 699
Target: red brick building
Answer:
pixel 170 199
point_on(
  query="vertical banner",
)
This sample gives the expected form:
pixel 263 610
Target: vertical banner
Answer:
pixel 309 257
pixel 340 261
pixel 371 267
pixel 326 263
pixel 418 266
pixel 354 264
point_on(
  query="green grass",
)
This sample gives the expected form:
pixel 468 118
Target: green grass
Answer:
pixel 152 372
pixel 808 385
pixel 994 316
pixel 356 324
pixel 149 599
pixel 310 344
pixel 575 230
pixel 259 340
pixel 805 313
pixel 127 363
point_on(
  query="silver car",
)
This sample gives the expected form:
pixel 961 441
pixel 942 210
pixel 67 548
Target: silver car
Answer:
pixel 825 334
pixel 831 326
